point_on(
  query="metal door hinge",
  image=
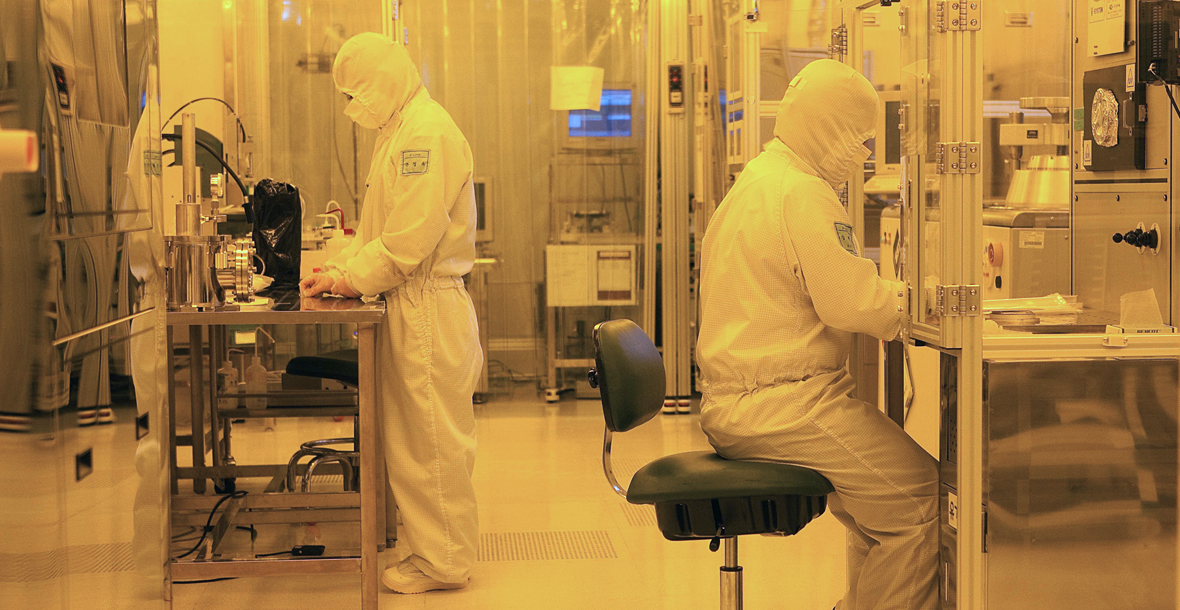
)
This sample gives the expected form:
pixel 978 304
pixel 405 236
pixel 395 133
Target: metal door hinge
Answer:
pixel 839 44
pixel 958 157
pixel 954 301
pixel 958 15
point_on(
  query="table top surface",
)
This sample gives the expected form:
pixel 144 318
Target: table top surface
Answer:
pixel 288 307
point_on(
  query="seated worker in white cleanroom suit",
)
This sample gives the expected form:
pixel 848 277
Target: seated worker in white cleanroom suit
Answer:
pixel 783 289
pixel 416 239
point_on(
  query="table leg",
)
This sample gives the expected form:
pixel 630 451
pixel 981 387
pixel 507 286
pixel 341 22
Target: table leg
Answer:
pixel 171 363
pixel 551 347
pixel 196 347
pixel 215 351
pixel 382 498
pixel 367 401
pixel 227 452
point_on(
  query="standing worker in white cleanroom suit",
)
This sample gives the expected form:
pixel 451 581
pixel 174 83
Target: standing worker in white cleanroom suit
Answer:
pixel 783 289
pixel 416 240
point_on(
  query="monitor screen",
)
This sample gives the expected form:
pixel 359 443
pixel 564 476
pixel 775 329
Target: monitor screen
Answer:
pixel 613 119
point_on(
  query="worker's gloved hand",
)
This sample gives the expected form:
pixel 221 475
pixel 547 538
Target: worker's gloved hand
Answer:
pixel 343 289
pixel 316 284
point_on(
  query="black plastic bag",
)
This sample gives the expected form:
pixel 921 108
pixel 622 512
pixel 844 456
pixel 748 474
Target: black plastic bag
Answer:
pixel 278 232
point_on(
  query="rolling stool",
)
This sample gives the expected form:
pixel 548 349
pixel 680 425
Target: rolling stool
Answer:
pixel 340 366
pixel 697 495
pixel 321 453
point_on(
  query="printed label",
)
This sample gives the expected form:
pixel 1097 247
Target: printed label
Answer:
pixel 415 162
pixel 1032 239
pixel 952 511
pixel 1087 152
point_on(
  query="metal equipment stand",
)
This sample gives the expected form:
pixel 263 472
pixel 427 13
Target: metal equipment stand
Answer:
pixel 365 506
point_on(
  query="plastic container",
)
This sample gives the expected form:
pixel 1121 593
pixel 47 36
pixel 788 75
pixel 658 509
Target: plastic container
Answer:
pixel 337 238
pixel 227 383
pixel 256 384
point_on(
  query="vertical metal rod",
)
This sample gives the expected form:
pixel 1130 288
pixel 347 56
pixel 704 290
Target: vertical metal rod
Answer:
pixel 227 422
pixel 731 577
pixel 367 403
pixel 188 211
pixel 551 346
pixel 383 520
pixel 215 354
pixel 196 347
pixel 188 134
pixel 171 426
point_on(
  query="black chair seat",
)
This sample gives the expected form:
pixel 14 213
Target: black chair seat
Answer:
pixel 704 475
pixel 701 495
pixel 340 366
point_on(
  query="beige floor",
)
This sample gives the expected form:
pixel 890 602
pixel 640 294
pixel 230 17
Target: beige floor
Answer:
pixel 538 477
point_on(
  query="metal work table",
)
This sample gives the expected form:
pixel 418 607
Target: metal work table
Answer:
pixel 287 308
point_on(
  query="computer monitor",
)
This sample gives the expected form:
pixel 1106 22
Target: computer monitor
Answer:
pixel 888 145
pixel 612 127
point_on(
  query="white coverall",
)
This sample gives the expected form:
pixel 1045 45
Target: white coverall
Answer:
pixel 782 291
pixel 416 239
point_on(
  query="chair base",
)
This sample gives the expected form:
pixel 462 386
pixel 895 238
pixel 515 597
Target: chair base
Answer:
pixel 725 517
pixel 321 452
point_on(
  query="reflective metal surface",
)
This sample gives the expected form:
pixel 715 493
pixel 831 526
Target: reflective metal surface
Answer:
pixel 22 263
pixel 83 476
pixel 88 122
pixel 192 266
pixel 1081 463
pixel 288 307
pixel 1044 183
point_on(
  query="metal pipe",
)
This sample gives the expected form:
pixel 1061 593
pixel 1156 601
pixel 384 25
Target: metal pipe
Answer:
pixel 196 350
pixel 80 334
pixel 1016 152
pixel 731 552
pixel 731 577
pixel 188 150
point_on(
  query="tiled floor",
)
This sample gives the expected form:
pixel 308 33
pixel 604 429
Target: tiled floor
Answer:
pixel 538 471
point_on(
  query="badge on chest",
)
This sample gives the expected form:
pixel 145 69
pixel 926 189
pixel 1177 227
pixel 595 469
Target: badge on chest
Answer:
pixel 415 162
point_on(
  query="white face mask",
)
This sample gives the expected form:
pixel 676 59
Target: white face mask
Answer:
pixel 360 115
pixel 836 176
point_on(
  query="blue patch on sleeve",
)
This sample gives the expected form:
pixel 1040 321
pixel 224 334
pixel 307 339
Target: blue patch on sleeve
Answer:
pixel 847 238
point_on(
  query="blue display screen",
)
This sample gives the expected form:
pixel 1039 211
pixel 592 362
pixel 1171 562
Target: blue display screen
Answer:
pixel 613 119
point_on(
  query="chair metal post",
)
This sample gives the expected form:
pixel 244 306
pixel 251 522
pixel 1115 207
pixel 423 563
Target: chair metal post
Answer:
pixel 731 577
pixel 607 468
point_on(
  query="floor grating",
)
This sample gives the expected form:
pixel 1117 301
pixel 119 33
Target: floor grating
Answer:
pixel 639 515
pixel 545 546
pixel 80 559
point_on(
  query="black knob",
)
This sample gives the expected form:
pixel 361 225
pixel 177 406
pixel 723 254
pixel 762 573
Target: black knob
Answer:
pixel 1132 237
pixel 1118 238
pixel 1150 239
pixel 592 377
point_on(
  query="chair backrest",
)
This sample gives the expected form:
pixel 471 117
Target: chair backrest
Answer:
pixel 630 374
